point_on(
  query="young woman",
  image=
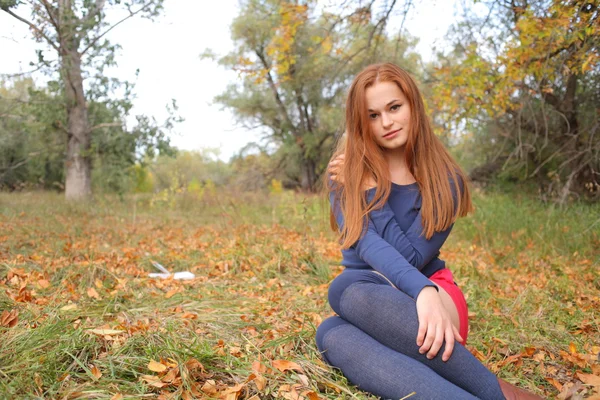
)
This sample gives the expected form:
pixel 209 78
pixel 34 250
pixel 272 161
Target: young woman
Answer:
pixel 395 193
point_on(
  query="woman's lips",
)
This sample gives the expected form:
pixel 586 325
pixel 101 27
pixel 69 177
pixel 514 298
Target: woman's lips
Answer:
pixel 391 135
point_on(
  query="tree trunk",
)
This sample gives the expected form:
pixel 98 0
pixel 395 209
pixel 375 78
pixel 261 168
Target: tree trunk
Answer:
pixel 78 164
pixel 308 179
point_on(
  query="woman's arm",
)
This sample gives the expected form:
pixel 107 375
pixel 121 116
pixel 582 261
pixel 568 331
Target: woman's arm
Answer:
pixel 384 258
pixel 435 326
pixel 412 244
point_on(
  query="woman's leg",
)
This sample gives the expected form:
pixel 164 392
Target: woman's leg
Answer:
pixel 390 317
pixel 378 369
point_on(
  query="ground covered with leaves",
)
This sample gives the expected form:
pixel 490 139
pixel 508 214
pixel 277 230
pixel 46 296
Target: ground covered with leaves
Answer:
pixel 81 318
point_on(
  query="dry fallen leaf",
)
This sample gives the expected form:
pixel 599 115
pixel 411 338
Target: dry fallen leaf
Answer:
pixel 153 380
pixel 95 372
pixel 209 387
pixel 104 332
pixel 9 319
pixel 193 364
pixel 290 392
pixel 589 379
pixel 311 395
pixel 258 367
pixel 171 376
pixel 569 391
pixel 572 348
pixel 285 365
pixel 259 380
pixel 232 393
pixel 93 293
pixel 44 283
pixel 117 396
pixel 156 366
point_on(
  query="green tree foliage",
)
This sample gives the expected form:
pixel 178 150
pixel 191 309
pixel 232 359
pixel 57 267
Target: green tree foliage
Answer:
pixel 189 169
pixel 523 82
pixel 295 62
pixel 74 31
pixel 33 140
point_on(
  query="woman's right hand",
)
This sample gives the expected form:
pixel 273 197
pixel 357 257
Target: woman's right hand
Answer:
pixel 335 169
pixel 435 325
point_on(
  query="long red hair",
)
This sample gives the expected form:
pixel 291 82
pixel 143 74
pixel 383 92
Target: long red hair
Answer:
pixel 427 159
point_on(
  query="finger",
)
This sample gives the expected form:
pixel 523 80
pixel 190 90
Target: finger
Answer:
pixel 428 339
pixel 449 344
pixel 457 335
pixel 421 333
pixel 437 342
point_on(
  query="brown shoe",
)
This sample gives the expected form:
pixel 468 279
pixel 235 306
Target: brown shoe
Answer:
pixel 511 392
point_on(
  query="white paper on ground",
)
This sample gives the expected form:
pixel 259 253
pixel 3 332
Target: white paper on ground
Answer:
pixel 164 274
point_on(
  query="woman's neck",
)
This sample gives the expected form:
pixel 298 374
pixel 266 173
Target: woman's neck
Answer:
pixel 399 171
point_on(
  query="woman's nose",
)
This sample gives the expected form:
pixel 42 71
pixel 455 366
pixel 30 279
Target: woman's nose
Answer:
pixel 386 121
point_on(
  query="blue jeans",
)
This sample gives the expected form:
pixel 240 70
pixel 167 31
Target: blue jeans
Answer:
pixel 373 343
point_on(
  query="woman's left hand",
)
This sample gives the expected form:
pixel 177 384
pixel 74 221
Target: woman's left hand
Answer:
pixel 435 325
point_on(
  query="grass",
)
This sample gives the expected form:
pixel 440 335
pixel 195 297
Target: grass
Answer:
pixel 262 264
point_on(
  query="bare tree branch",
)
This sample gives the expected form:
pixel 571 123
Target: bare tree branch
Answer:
pixel 33 27
pixel 105 125
pixel 131 14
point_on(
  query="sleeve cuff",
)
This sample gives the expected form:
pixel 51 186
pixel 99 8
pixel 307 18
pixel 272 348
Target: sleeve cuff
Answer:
pixel 417 281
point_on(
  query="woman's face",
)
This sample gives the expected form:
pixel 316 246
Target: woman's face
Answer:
pixel 389 114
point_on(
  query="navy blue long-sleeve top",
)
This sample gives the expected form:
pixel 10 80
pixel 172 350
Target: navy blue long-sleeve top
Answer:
pixel 394 243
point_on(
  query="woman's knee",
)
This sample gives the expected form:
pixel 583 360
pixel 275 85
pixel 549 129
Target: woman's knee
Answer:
pixel 326 327
pixel 348 278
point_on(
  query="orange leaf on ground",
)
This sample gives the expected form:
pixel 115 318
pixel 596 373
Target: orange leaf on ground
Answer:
pixel 569 389
pixel 572 348
pixel 93 294
pixel 153 380
pixel 232 393
pixel 193 364
pixel 104 332
pixel 9 319
pixel 117 396
pixel 156 366
pixel 589 379
pixel 258 367
pixel 44 284
pixel 171 293
pixel 171 376
pixel 209 387
pixel 285 365
pixel 290 392
pixel 311 395
pixel 95 372
pixel 555 383
pixel 259 380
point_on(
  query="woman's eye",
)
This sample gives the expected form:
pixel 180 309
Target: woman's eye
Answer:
pixel 395 107
pixel 372 116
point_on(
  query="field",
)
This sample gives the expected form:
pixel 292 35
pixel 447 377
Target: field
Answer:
pixel 81 318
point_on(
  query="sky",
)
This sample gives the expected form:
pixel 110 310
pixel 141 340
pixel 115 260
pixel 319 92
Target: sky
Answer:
pixel 167 54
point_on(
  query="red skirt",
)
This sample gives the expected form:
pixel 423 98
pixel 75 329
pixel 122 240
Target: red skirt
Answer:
pixel 444 279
